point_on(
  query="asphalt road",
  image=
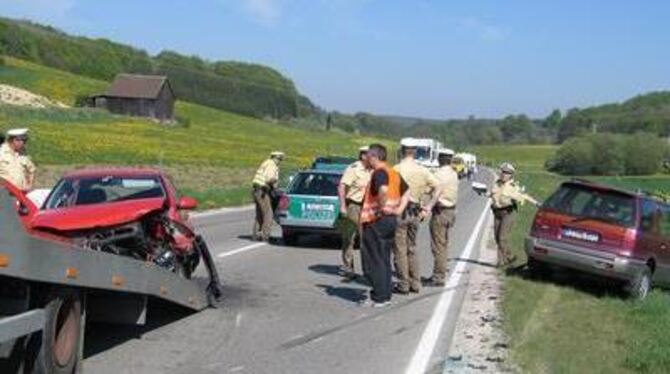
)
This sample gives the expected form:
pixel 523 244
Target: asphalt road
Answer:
pixel 287 311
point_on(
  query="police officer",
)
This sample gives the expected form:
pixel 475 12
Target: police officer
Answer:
pixel 443 217
pixel 420 181
pixel 264 183
pixel 15 165
pixel 386 198
pixel 351 192
pixel 506 196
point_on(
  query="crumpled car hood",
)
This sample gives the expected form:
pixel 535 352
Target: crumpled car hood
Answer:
pixel 92 216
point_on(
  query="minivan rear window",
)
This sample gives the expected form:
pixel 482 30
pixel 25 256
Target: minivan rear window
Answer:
pixel 602 205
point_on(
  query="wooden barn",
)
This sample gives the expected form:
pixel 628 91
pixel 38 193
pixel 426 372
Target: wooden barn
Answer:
pixel 139 95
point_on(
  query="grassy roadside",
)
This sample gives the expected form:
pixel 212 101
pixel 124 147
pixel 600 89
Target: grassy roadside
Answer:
pixel 575 324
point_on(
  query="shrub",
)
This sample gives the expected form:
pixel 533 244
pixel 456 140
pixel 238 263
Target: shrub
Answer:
pixel 610 154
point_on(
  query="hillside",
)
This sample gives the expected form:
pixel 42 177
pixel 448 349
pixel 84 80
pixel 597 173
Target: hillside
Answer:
pixel 210 151
pixel 238 87
pixel 649 112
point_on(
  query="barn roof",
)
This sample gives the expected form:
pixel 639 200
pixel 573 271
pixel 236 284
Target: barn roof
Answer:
pixel 137 86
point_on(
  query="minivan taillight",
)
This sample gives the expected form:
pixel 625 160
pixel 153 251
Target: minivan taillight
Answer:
pixel 629 239
pixel 284 202
pixel 540 224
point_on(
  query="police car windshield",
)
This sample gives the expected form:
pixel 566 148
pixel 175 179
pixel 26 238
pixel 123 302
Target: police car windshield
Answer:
pixel 423 153
pixel 106 189
pixel 320 184
pixel 583 202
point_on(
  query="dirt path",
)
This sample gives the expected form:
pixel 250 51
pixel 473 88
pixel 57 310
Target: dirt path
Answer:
pixel 479 344
pixel 17 96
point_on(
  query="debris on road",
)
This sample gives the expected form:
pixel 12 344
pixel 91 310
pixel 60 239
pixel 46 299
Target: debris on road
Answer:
pixel 479 344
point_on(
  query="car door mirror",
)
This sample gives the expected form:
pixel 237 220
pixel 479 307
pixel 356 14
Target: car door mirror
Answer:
pixel 187 203
pixel 22 209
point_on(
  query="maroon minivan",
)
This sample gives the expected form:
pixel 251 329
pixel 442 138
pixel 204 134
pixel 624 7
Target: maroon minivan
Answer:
pixel 603 231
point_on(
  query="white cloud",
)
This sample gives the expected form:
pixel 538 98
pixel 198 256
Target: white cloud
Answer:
pixel 266 12
pixel 484 31
pixel 40 10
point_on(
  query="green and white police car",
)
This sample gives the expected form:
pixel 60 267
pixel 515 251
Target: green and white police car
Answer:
pixel 310 204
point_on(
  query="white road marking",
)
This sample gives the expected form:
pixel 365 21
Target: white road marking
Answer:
pixel 238 319
pixel 424 351
pixel 240 250
pixel 221 211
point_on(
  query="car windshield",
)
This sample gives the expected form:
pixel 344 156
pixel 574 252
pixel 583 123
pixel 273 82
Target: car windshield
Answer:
pixel 321 184
pixel 423 153
pixel 583 202
pixel 103 189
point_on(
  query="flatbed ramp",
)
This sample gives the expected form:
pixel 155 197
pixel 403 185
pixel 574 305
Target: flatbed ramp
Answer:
pixel 36 259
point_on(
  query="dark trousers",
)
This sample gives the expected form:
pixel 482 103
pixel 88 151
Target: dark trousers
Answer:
pixel 378 242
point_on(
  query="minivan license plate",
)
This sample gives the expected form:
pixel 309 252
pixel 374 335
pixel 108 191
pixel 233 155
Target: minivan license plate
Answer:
pixel 581 235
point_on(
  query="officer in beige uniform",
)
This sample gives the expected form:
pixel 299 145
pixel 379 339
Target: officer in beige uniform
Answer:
pixel 421 182
pixel 264 183
pixel 443 217
pixel 506 196
pixel 15 165
pixel 351 192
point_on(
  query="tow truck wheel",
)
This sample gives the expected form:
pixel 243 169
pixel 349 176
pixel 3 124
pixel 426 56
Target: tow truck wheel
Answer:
pixel 58 348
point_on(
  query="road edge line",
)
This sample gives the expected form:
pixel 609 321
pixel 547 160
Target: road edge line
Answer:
pixel 424 351
pixel 240 250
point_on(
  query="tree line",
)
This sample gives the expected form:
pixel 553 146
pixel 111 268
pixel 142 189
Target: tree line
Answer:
pixel 248 89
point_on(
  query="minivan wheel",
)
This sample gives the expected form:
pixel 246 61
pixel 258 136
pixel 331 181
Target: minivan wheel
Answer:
pixel 638 288
pixel 537 268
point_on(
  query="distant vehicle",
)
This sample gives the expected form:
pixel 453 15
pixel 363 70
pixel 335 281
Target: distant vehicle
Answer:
pixel 465 164
pixel 310 205
pixel 603 231
pixel 426 150
pixel 459 166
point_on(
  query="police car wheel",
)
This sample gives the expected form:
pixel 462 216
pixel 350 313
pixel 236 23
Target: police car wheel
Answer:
pixel 290 238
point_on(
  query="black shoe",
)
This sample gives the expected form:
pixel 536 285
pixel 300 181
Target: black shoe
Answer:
pixel 348 276
pixel 432 282
pixel 399 290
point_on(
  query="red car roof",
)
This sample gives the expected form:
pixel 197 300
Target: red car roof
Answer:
pixel 114 171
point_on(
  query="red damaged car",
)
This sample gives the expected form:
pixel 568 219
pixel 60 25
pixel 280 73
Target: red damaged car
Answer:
pixel 604 231
pixel 134 212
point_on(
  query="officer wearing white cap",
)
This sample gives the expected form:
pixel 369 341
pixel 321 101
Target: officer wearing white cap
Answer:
pixel 506 196
pixel 443 217
pixel 15 166
pixel 351 192
pixel 421 182
pixel 264 183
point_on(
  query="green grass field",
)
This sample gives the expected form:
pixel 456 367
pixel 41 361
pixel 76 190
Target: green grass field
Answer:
pixel 201 152
pixel 530 158
pixel 576 325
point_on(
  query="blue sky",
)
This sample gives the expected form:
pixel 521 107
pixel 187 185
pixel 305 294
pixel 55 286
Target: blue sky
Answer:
pixel 425 58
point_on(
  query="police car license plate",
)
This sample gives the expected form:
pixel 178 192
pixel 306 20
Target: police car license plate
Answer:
pixel 319 211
